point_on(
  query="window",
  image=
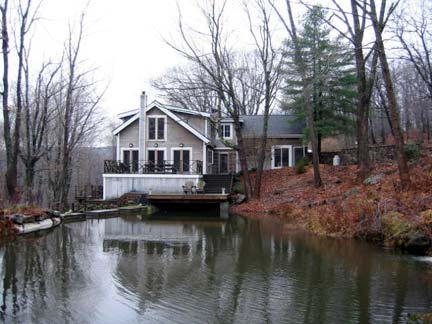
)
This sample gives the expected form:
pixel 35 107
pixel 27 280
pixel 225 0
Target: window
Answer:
pixel 281 156
pixel 225 131
pixel 155 160
pixel 182 160
pixel 209 156
pixel 130 160
pixel 156 128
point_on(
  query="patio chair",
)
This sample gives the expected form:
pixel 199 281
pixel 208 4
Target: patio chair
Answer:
pixel 188 187
pixel 200 187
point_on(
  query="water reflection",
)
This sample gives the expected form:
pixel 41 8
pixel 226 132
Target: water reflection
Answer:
pixel 134 270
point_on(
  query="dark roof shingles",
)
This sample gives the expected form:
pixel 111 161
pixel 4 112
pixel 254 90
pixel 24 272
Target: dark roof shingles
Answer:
pixel 279 126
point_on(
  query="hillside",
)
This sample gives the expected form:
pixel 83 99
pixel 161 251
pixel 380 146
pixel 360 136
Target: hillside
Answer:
pixel 375 209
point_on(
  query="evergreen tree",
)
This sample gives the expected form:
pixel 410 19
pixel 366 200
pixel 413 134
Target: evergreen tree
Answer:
pixel 329 68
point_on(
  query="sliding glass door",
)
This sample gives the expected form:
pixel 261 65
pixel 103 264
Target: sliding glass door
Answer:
pixel 130 160
pixel 155 160
pixel 181 160
pixel 281 156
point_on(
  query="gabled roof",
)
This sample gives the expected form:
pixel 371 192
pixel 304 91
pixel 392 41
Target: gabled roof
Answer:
pixel 187 111
pixel 128 113
pixel 279 126
pixel 170 107
pixel 167 112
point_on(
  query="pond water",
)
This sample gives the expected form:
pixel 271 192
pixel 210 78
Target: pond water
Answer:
pixel 139 270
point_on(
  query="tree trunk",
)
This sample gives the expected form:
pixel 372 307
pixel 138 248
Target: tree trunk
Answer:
pixel 243 162
pixel 29 181
pixel 11 169
pixel 312 135
pixel 392 101
pixel 261 157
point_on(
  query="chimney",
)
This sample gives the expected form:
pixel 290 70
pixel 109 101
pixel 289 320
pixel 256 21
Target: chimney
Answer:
pixel 142 126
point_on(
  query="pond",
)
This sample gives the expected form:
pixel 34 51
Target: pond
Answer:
pixel 194 270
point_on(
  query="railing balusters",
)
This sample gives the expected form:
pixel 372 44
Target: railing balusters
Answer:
pixel 149 167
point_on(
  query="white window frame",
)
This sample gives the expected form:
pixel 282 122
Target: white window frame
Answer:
pixel 290 155
pixel 211 160
pixel 127 149
pixel 156 128
pixel 130 156
pixel 184 149
pixel 219 133
pixel 157 149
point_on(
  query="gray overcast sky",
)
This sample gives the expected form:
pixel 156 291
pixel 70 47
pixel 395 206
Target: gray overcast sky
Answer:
pixel 123 40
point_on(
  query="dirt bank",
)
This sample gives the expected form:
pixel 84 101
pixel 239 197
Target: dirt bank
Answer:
pixel 376 209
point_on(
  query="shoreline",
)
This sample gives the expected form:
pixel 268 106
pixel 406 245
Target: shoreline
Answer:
pixel 375 210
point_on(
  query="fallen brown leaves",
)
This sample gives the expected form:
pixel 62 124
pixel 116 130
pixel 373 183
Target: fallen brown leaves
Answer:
pixel 344 206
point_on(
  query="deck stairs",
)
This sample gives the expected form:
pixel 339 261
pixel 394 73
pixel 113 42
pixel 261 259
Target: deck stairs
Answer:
pixel 215 183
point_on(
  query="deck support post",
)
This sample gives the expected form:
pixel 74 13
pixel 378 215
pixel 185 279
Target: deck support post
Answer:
pixel 224 210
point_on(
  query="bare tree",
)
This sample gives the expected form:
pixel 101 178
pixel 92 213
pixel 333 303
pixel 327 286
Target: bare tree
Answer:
pixel 26 18
pixel 38 112
pixel 378 23
pixel 11 172
pixel 355 22
pixel 78 117
pixel 225 68
pixel 270 63
pixel 415 35
pixel 186 86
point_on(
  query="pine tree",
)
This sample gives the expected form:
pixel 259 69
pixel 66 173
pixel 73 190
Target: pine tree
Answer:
pixel 329 68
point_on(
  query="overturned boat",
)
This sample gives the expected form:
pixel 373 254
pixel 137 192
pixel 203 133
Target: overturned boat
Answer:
pixel 25 224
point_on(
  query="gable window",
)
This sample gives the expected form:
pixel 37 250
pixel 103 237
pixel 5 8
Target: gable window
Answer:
pixel 225 131
pixel 156 128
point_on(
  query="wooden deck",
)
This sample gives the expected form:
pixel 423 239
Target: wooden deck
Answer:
pixel 190 198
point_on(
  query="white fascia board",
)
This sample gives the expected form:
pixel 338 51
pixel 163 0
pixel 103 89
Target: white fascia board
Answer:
pixel 187 111
pixel 169 114
pixel 230 120
pixel 126 124
pixel 182 123
pixel 127 113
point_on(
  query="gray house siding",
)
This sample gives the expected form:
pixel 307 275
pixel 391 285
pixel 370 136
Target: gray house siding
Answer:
pixel 130 135
pixel 196 122
pixel 175 135
pixel 252 145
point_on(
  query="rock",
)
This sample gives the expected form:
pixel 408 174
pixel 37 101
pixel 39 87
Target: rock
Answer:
pixel 239 199
pixel 278 192
pixel 374 179
pixel 418 242
pixel 351 192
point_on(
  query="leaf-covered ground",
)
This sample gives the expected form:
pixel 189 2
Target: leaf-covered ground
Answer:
pixel 345 207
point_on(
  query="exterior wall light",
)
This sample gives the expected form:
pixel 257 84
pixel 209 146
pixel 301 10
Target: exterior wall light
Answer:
pixel 130 144
pixel 181 145
pixel 155 144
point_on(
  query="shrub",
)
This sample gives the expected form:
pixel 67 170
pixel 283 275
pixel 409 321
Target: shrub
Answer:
pixel 426 217
pixel 396 226
pixel 239 188
pixel 412 151
pixel 301 164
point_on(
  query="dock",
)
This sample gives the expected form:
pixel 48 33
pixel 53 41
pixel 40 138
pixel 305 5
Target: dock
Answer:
pixel 217 203
pixel 73 217
pixel 191 198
